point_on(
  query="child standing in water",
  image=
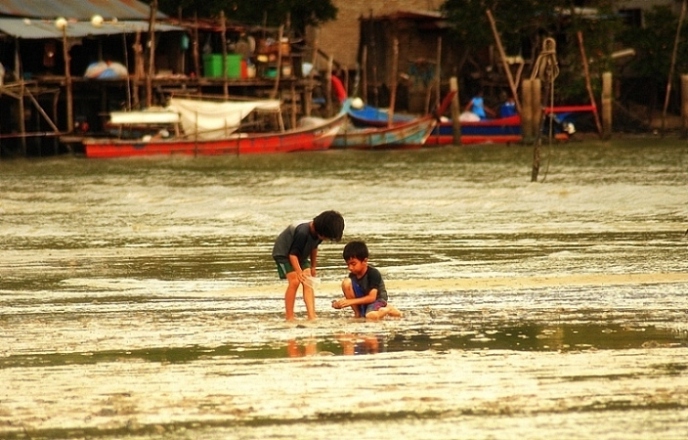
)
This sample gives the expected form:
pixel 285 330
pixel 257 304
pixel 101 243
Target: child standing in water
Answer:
pixel 364 290
pixel 296 254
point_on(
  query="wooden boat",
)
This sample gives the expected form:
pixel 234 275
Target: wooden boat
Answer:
pixel 500 130
pixel 369 116
pixel 406 133
pixel 208 129
pixel 410 134
pixel 496 131
pixel 506 130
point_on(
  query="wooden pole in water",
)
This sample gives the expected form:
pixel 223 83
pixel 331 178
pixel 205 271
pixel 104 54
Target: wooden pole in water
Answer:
pixel 527 110
pixel 587 81
pixel 673 63
pixel 393 93
pixel 684 104
pixel 456 121
pixel 536 115
pixel 536 119
pixel 607 104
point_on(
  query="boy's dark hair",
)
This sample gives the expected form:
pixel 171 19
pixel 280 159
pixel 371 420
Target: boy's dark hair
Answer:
pixel 329 224
pixel 355 249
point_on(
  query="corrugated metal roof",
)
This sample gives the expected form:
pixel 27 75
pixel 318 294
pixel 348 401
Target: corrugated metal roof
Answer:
pixel 40 29
pixel 76 9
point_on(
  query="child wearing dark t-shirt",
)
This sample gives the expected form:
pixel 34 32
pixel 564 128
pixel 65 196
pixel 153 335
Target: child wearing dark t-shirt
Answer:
pixel 296 251
pixel 364 290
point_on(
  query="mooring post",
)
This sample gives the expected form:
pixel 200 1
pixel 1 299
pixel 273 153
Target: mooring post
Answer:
pixel 684 104
pixel 455 110
pixel 607 104
pixel 527 112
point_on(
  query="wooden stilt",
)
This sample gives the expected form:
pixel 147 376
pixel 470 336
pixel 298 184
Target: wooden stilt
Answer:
pixel 151 53
pixel 223 35
pixel 393 81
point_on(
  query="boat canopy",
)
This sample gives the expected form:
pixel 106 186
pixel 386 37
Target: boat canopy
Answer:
pixel 152 117
pixel 215 120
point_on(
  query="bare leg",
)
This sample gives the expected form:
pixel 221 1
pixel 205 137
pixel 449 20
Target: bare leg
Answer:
pixel 309 299
pixel 290 295
pixel 393 311
pixel 348 291
pixel 382 312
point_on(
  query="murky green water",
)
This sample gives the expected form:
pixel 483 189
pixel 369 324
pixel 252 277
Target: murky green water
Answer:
pixel 138 297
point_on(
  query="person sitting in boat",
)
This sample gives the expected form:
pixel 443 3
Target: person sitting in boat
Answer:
pixel 477 106
pixel 508 106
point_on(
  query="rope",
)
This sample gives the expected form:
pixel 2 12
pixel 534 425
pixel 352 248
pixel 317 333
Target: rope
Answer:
pixel 547 69
pixel 546 66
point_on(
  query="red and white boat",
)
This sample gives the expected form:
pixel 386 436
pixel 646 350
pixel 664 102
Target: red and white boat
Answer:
pixel 201 127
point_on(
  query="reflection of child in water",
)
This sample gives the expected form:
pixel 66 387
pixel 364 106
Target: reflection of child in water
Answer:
pixel 310 348
pixel 353 344
pixel 363 289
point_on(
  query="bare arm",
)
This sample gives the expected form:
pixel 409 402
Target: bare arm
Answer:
pixel 314 261
pixel 368 299
pixel 294 261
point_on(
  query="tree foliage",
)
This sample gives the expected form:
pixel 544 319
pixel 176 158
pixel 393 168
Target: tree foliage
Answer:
pixel 523 25
pixel 655 43
pixel 515 20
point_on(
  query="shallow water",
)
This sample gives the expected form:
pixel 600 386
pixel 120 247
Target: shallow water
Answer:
pixel 138 297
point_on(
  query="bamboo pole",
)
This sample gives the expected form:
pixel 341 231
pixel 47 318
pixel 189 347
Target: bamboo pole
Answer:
pixel 684 103
pixel 328 86
pixel 278 73
pixel 502 54
pixel 68 81
pixel 308 99
pixel 18 74
pixel 364 74
pixel 293 104
pixel 223 32
pixel 138 70
pixel 393 93
pixel 438 72
pixel 126 61
pixel 151 53
pixel 436 81
pixel 587 82
pixel 673 63
pixel 196 54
